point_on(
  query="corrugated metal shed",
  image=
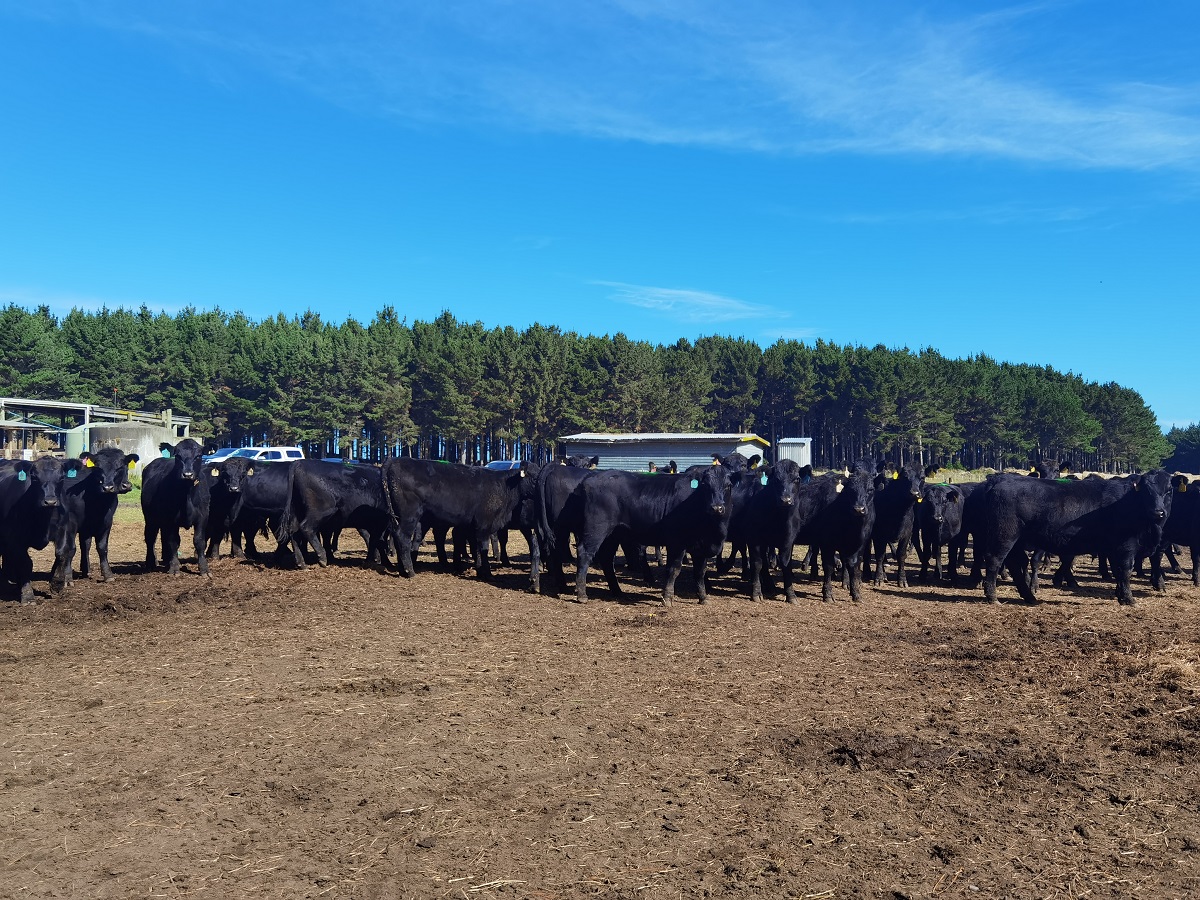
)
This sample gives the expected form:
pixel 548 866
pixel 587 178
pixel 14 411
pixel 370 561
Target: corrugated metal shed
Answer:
pixel 797 449
pixel 634 452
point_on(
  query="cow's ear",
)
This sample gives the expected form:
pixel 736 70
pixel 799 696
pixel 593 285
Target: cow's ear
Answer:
pixel 593 462
pixel 167 450
pixel 755 460
pixel 87 462
pixel 131 458
pixel 952 496
pixel 84 457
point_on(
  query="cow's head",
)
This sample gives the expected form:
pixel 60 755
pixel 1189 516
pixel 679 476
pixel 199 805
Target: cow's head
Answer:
pixel 232 473
pixel 942 502
pixel 717 483
pixel 581 462
pixel 47 477
pixel 1154 489
pixel 110 468
pixel 188 456
pixel 783 479
pixel 858 488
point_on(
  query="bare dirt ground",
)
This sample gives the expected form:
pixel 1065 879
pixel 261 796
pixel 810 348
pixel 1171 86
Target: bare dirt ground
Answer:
pixel 345 733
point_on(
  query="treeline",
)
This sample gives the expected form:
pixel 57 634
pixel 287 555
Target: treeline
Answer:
pixel 459 390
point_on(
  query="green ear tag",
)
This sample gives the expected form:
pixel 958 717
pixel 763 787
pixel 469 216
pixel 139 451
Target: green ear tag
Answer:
pixel 21 476
pixel 695 484
pixel 763 480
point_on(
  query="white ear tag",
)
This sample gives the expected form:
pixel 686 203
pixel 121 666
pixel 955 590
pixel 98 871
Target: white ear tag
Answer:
pixel 215 473
pixel 841 487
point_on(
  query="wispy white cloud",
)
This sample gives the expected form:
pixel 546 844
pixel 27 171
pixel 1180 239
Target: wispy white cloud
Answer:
pixel 1020 83
pixel 686 305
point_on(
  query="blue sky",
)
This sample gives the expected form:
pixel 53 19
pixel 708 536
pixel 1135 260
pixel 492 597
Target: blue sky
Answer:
pixel 1019 179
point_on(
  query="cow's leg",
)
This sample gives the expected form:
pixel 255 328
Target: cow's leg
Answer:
pixel 855 578
pixel 1158 581
pixel 583 559
pixel 535 563
pixel 606 557
pixel 1171 558
pixel 827 563
pixel 483 567
pixel 636 554
pixel 994 560
pixel 151 535
pixel 85 552
pixel 61 576
pixel 198 542
pixel 902 546
pixel 18 568
pixel 1194 550
pixel 170 548
pixel 756 573
pixel 1122 567
pixel 674 566
pixel 785 566
pixel 880 562
pixel 699 567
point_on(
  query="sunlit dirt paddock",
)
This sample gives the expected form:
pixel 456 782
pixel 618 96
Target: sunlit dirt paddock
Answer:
pixel 345 733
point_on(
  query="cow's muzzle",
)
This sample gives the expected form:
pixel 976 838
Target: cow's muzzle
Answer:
pixel 860 510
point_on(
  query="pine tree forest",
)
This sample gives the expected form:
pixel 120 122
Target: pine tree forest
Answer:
pixel 459 390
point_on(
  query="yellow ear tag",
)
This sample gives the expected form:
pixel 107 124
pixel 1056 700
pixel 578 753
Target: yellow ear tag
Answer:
pixel 1183 488
pixel 840 487
pixel 215 473
pixel 87 463
pixel 895 476
pixel 132 463
pixel 919 499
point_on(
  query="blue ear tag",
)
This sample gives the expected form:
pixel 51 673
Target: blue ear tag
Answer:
pixel 22 476
pixel 166 454
pixel 71 473
pixel 763 480
pixel 695 484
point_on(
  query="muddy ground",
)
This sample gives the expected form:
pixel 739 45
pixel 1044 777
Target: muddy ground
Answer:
pixel 345 733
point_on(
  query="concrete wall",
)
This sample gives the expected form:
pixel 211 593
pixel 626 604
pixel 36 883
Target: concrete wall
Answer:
pixel 133 438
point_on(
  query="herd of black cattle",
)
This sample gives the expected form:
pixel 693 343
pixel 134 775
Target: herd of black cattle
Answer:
pixel 852 521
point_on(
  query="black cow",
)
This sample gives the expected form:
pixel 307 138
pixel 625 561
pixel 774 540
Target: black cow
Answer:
pixel 89 503
pixel 1072 518
pixel 1182 527
pixel 229 481
pixel 843 528
pixel 939 523
pixel 685 513
pixel 30 495
pixel 774 517
pixel 325 497
pixel 175 494
pixel 746 484
pixel 265 495
pixel 480 501
pixel 897 493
